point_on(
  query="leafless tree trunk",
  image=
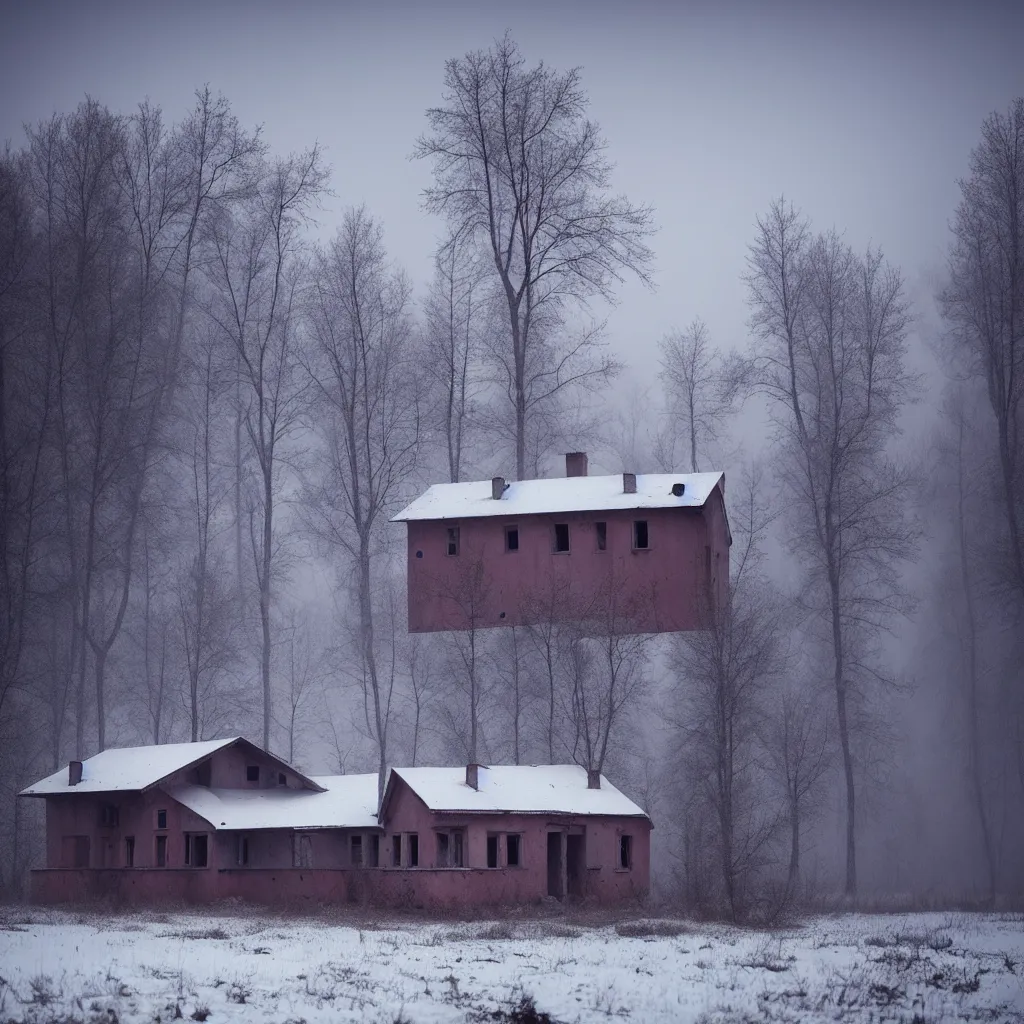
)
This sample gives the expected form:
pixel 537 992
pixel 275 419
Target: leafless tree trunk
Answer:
pixel 365 374
pixel 832 327
pixel 521 172
pixel 257 276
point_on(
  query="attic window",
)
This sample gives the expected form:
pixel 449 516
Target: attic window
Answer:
pixel 602 536
pixel 161 819
pixel 453 540
pixel 108 816
pixel 640 535
pixel 282 779
pixel 511 538
pixel 561 537
pixel 252 773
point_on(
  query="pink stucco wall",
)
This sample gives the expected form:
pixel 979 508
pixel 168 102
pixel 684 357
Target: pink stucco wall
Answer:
pixel 662 588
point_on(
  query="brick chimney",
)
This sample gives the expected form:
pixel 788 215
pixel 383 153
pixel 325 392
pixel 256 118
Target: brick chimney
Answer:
pixel 473 776
pixel 575 463
pixel 629 483
pixel 498 487
pixel 74 773
pixel 593 778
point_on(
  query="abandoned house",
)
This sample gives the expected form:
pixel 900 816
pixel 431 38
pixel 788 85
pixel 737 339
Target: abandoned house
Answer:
pixel 196 822
pixel 645 553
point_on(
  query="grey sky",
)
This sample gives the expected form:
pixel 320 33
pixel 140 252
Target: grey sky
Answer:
pixel 862 113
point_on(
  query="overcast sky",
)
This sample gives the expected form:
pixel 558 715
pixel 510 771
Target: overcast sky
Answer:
pixel 862 113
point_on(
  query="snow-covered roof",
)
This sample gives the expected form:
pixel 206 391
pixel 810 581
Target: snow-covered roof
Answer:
pixel 128 768
pixel 348 801
pixel 523 789
pixel 562 494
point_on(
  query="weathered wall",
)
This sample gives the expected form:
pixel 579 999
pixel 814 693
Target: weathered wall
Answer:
pixel 659 589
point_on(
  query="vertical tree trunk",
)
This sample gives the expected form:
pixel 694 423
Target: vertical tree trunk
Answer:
pixel 267 558
pixel 844 742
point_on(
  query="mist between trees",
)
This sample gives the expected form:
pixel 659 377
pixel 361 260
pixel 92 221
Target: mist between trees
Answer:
pixel 207 420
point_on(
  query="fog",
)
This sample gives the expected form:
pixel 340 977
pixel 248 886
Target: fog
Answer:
pixel 230 580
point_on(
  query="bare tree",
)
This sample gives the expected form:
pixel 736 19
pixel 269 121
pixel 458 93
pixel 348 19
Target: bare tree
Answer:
pixel 983 304
pixel 521 172
pixel 831 329
pixel 365 373
pixel 456 314
pixel 256 273
pixel 725 668
pixel 701 391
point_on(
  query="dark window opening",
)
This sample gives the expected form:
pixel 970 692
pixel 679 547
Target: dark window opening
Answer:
pixel 396 851
pixel 282 779
pixel 108 816
pixel 302 851
pixel 492 851
pixel 602 536
pixel 252 773
pixel 640 538
pixel 453 540
pixel 414 850
pixel 512 851
pixel 242 853
pixel 357 851
pixel 442 849
pixel 161 819
pixel 561 536
pixel 511 538
pixel 196 850
pixel 161 851
pixel 374 859
pixel 625 852
pixel 129 851
pixel 203 774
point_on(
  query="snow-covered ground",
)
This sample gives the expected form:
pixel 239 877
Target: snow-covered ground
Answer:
pixel 60 966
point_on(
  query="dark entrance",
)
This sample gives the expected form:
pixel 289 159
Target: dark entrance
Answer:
pixel 574 864
pixel 555 865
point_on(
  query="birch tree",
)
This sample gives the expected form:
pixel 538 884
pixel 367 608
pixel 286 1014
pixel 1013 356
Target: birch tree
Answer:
pixel 522 173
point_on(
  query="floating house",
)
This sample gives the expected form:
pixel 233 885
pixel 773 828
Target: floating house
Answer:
pixel 629 553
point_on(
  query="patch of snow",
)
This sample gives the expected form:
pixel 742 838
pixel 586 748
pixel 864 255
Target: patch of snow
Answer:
pixel 128 768
pixel 349 801
pixel 537 789
pixel 563 494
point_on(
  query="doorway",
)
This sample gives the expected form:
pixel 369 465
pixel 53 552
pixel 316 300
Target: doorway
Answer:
pixel 555 865
pixel 574 864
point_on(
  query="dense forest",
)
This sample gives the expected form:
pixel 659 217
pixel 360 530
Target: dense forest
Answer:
pixel 209 412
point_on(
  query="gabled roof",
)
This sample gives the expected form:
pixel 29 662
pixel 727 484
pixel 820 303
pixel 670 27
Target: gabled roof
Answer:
pixel 561 494
pixel 522 789
pixel 127 769
pixel 347 801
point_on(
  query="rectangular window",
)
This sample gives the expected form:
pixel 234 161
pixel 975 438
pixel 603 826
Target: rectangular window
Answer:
pixel 196 849
pixel 511 538
pixel 453 540
pixel 129 851
pixel 640 539
pixel 252 773
pixel 161 851
pixel 443 848
pixel 356 851
pixel 561 536
pixel 513 849
pixel 492 851
pixel 161 819
pixel 602 536
pixel 108 816
pixel 449 849
pixel 282 779
pixel 302 851
pixel 374 859
pixel 242 851
pixel 414 850
pixel 396 851
pixel 625 852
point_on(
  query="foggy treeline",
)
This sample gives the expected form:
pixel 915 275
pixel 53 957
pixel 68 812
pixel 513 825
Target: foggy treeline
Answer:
pixel 210 407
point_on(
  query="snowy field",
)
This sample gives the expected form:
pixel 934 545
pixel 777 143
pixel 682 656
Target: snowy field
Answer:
pixel 60 966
